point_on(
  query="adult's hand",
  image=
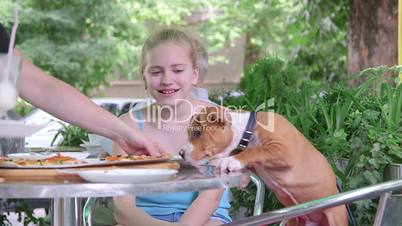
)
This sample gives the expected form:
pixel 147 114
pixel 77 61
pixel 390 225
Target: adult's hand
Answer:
pixel 135 143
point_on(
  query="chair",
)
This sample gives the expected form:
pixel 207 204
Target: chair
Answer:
pixel 260 194
pixel 343 198
pixel 389 210
pixel 104 214
pixel 87 211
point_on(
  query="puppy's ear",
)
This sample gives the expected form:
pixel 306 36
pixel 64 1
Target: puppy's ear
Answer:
pixel 194 124
pixel 225 117
pixel 228 117
pixel 219 116
pixel 200 116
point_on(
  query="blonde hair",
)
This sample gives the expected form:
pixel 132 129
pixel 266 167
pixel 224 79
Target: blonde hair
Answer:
pixel 202 60
pixel 197 51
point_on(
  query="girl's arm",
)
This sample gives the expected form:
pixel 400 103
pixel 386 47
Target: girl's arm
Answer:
pixel 202 208
pixel 125 210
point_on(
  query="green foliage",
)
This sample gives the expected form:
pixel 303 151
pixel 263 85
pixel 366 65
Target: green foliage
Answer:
pixel 3 220
pixel 24 213
pixel 317 34
pixel 23 108
pixel 311 35
pixel 73 136
pixel 86 43
pixel 361 123
pixel 80 42
pixel 245 198
pixel 268 77
pixel 393 105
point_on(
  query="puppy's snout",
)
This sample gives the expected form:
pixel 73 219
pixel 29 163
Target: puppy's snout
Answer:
pixel 182 153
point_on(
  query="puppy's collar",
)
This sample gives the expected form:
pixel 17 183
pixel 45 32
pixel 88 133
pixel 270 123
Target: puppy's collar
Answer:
pixel 247 134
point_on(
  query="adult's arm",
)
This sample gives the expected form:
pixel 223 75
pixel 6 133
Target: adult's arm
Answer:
pixel 126 213
pixel 63 101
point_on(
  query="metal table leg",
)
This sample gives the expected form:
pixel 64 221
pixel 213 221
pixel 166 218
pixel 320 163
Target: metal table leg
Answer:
pixel 67 211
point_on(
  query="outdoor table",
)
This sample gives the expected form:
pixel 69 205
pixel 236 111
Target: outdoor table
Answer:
pixel 67 196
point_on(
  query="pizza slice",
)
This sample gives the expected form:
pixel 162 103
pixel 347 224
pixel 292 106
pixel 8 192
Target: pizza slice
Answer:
pixel 137 157
pixel 59 159
pixel 3 159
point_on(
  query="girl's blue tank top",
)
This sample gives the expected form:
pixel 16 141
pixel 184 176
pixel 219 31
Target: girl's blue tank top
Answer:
pixel 167 203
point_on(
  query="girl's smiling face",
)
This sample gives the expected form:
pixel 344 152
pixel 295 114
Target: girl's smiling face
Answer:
pixel 169 72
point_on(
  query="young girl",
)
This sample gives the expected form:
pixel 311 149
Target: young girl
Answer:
pixel 170 71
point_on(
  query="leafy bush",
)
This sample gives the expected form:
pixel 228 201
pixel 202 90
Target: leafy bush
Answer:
pixel 268 77
pixel 361 123
pixel 73 136
pixel 25 214
pixel 23 108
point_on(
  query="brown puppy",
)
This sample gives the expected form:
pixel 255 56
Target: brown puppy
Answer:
pixel 287 162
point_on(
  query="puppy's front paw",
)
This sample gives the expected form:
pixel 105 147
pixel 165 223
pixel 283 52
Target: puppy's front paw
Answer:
pixel 229 164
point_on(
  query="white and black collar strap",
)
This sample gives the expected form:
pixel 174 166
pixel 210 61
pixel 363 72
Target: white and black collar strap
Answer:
pixel 248 133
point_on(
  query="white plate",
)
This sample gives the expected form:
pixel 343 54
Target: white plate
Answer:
pixel 13 129
pixel 127 175
pixel 55 149
pixel 44 155
pixel 94 150
pixel 91 148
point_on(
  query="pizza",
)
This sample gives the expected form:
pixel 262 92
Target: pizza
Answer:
pixel 3 159
pixel 113 158
pixel 63 161
pixel 54 160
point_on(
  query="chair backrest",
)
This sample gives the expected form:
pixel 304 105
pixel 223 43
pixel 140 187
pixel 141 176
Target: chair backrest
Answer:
pixel 389 211
pixel 87 211
pixel 260 194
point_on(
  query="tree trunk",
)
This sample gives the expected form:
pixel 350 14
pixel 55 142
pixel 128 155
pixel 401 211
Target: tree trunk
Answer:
pixel 252 52
pixel 373 34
